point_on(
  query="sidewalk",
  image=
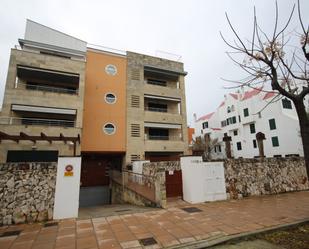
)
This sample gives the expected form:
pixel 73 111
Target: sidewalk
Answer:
pixel 169 227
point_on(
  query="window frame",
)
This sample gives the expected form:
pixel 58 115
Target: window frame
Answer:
pixel 110 103
pixel 246 112
pixel 272 126
pixel 104 129
pixel 275 141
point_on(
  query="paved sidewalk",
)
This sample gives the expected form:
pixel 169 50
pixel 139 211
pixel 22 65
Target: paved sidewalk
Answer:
pixel 169 227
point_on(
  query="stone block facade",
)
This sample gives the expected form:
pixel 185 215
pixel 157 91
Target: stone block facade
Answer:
pixel 27 192
pixel 253 177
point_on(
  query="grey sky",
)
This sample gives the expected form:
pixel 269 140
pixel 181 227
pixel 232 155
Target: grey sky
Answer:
pixel 186 28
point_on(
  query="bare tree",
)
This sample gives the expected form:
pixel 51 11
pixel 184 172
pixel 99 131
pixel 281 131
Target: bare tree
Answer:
pixel 204 146
pixel 275 59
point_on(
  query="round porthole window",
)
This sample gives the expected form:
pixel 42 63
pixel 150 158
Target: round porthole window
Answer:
pixel 110 98
pixel 109 129
pixel 111 69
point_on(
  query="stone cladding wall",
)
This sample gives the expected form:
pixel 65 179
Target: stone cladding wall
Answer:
pixel 27 192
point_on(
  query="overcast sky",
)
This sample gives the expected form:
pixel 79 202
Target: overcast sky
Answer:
pixel 188 28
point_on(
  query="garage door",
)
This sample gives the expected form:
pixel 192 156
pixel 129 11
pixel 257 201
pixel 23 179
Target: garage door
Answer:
pixel 173 183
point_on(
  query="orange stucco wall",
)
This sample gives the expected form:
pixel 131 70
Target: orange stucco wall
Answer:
pixel 96 111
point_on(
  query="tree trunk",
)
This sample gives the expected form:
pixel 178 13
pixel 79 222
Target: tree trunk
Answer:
pixel 304 129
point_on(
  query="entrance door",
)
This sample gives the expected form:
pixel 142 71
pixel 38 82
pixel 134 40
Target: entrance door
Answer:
pixel 173 181
pixel 94 189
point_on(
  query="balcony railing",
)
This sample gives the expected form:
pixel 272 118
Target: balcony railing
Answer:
pixel 48 88
pixel 168 138
pixel 36 121
pixel 161 110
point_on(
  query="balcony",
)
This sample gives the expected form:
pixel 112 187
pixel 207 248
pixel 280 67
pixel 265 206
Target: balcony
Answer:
pixel 46 80
pixel 36 121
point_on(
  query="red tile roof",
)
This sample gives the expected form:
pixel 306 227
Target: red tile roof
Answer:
pixel 269 95
pixel 205 117
pixel 216 129
pixel 250 94
pixel 234 95
pixel 222 104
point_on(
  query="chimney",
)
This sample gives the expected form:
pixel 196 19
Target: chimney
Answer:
pixel 194 116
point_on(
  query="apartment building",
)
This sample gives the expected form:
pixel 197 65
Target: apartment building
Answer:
pixel 41 116
pixel 243 114
pixel 64 97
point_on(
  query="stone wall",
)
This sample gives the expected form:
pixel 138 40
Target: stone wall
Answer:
pixel 252 177
pixel 150 169
pixel 27 192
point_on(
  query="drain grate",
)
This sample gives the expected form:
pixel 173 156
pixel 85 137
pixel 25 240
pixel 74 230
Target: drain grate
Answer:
pixel 51 224
pixel 148 241
pixel 10 233
pixel 192 210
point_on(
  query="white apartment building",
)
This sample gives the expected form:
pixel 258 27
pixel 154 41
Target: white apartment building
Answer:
pixel 241 115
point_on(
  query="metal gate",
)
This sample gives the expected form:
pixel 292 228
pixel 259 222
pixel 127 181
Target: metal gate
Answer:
pixel 173 181
pixel 94 189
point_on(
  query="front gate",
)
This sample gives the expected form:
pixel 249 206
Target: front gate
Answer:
pixel 173 183
pixel 94 189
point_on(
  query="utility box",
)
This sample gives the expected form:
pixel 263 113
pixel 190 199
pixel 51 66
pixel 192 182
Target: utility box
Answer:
pixel 202 181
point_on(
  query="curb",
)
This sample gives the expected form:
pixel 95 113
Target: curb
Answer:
pixel 217 241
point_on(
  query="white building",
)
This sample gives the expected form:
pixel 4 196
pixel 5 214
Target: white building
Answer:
pixel 241 115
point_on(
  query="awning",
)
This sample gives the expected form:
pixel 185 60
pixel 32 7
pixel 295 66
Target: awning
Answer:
pixel 162 125
pixel 161 97
pixel 162 73
pixel 28 108
pixel 47 75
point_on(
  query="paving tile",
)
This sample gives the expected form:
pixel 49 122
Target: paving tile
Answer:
pixel 86 243
pixel 6 242
pixel 124 236
pixel 109 243
pixel 130 244
pixel 22 245
pixel 43 245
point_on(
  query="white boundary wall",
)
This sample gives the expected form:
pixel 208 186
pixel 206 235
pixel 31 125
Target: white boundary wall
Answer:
pixel 202 181
pixel 67 188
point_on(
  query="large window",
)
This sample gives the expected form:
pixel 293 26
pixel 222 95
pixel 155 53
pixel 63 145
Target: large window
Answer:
pixel 238 144
pixel 252 128
pixel 205 125
pixel 272 124
pixel 158 134
pixel 286 104
pixel 275 141
pixel 157 107
pixel 246 112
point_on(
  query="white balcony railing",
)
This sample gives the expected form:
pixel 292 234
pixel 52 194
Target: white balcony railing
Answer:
pixel 36 121
pixel 48 88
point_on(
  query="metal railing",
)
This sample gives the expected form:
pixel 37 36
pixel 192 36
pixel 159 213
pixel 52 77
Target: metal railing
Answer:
pixel 142 184
pixel 169 138
pixel 48 88
pixel 36 121
pixel 161 110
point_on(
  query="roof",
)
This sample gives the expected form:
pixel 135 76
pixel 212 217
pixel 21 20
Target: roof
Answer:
pixel 250 94
pixel 205 117
pixel 216 129
pixel 269 95
pixel 234 95
pixel 222 104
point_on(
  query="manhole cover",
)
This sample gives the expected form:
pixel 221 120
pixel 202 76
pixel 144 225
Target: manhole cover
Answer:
pixel 192 210
pixel 148 241
pixel 51 224
pixel 10 233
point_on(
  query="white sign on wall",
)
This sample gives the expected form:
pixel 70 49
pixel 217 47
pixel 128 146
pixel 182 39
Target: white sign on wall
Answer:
pixel 67 188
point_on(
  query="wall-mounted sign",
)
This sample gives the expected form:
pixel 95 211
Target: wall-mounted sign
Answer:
pixel 171 172
pixel 68 170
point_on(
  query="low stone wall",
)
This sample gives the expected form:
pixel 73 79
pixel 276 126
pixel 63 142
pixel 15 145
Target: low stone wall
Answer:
pixel 122 195
pixel 27 192
pixel 152 168
pixel 253 177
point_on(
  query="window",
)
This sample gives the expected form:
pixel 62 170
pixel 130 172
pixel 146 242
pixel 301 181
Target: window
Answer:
pixel 252 128
pixel 158 134
pixel 109 129
pixel 234 120
pixel 254 143
pixel 272 124
pixel 228 109
pixel 239 120
pixel 275 141
pixel 157 107
pixel 235 132
pixel 111 69
pixel 205 125
pixel 286 104
pixel 238 144
pixel 223 123
pixel 219 148
pixel 246 112
pixel 110 98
